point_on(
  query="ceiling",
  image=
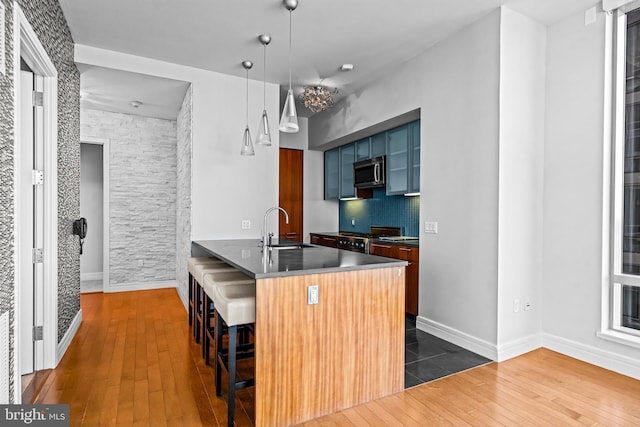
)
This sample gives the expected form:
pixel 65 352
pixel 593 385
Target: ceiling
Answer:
pixel 376 36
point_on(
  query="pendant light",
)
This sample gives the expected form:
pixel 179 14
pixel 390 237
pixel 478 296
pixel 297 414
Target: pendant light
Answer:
pixel 264 134
pixel 289 119
pixel 247 145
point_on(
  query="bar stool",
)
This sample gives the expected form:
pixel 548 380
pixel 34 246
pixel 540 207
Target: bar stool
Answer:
pixel 236 306
pixel 199 271
pixel 191 263
pixel 210 282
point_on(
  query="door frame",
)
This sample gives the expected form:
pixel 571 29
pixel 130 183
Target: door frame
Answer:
pixel 106 147
pixel 27 46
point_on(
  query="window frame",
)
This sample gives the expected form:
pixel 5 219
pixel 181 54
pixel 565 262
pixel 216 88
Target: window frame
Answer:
pixel 613 179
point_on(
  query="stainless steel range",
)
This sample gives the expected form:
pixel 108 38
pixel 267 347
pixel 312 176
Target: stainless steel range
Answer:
pixel 359 242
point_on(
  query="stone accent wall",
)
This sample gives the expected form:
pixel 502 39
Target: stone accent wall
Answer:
pixel 142 201
pixel 49 24
pixel 183 208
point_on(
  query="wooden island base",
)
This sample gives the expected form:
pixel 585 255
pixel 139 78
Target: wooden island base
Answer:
pixel 313 360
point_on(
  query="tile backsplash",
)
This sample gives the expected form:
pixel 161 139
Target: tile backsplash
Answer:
pixel 381 210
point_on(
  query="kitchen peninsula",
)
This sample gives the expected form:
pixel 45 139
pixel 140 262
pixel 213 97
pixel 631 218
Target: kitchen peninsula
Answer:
pixel 316 359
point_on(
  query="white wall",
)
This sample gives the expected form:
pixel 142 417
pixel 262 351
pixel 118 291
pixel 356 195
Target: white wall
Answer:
pixel 522 85
pixel 573 159
pixel 456 86
pixel 226 187
pixel 318 214
pixel 91 208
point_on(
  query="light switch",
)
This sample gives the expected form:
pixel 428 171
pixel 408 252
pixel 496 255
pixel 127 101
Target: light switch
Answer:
pixel 590 16
pixel 431 227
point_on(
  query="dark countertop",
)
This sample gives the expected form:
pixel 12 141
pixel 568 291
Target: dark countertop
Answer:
pixel 248 256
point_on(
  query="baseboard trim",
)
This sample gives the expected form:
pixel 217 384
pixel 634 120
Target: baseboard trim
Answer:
pixel 64 343
pixel 91 276
pixel 464 340
pixel 518 347
pixel 605 359
pixel 595 356
pixel 184 298
pixel 140 286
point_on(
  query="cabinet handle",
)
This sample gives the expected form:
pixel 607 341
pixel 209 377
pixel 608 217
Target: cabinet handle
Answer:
pixel 330 239
pixel 381 246
pixel 405 249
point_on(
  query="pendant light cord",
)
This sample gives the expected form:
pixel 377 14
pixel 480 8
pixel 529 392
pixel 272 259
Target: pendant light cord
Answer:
pixel 264 80
pixel 290 12
pixel 247 97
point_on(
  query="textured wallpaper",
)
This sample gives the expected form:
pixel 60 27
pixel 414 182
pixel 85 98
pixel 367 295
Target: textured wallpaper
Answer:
pixel 7 195
pixel 49 24
pixel 183 205
pixel 142 195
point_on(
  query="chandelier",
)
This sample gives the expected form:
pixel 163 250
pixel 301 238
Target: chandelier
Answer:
pixel 317 98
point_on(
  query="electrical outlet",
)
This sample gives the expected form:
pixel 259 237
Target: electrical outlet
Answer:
pixel 246 224
pixel 312 294
pixel 431 227
pixel 527 304
pixel 140 263
pixel 516 305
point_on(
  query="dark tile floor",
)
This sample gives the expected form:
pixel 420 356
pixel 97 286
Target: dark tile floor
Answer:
pixel 427 357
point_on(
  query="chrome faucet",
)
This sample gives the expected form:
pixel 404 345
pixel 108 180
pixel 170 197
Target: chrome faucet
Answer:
pixel 266 237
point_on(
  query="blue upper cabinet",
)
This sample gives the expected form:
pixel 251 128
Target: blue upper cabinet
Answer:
pixel 379 144
pixel 363 150
pixel 414 155
pixel 347 158
pixel 401 145
pixel 332 174
pixel 398 161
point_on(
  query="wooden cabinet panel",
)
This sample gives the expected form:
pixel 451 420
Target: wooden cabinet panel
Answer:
pixel 290 193
pixel 313 360
pixel 382 250
pixel 405 253
pixel 322 240
pixel 412 255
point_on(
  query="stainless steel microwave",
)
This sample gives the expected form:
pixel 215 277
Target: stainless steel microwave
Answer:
pixel 369 173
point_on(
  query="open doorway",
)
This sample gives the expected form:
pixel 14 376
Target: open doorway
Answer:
pixel 92 208
pixel 36 207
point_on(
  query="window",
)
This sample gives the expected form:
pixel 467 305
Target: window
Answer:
pixel 621 302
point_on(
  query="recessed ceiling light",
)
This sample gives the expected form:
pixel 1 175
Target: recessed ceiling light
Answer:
pixel 346 67
pixel 136 104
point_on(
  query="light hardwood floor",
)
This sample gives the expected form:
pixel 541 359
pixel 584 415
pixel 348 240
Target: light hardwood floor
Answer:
pixel 133 362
